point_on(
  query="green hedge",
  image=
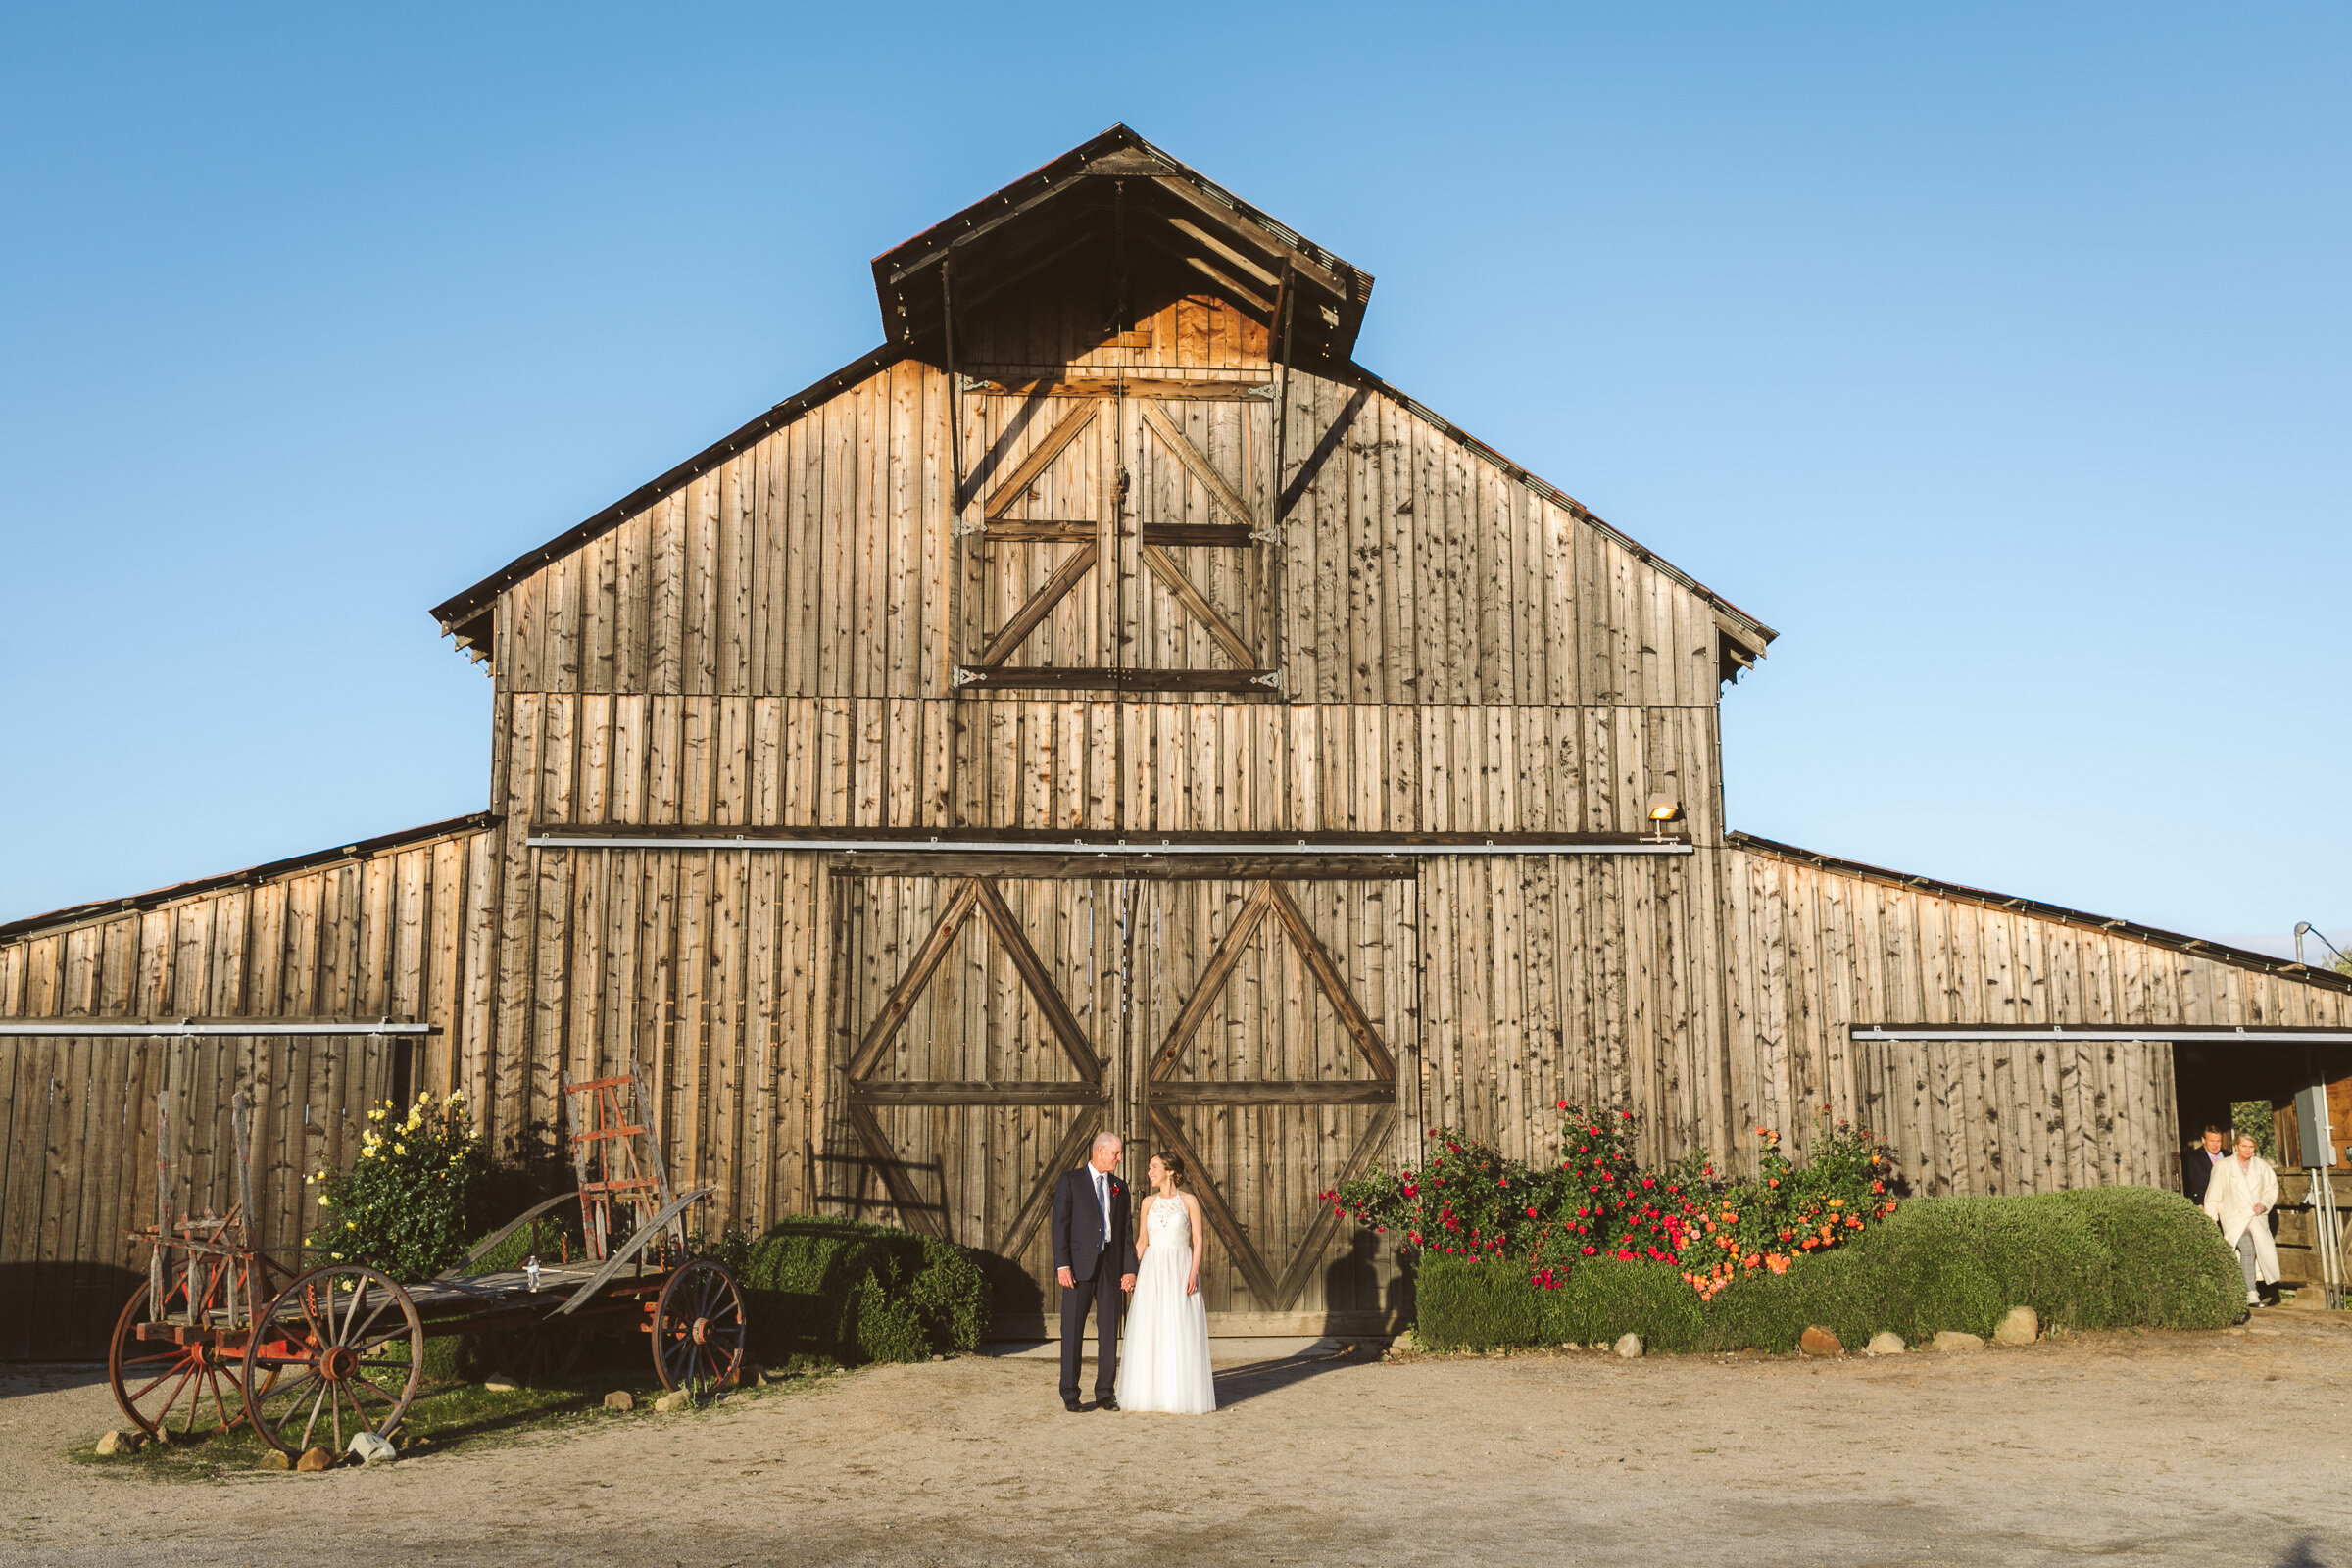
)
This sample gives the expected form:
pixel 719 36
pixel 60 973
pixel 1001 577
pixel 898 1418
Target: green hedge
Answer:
pixel 860 1293
pixel 2101 1258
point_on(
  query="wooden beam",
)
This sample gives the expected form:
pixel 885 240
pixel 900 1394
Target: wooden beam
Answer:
pixel 1031 531
pixel 913 1091
pixel 909 1203
pixel 1202 237
pixel 1167 388
pixel 1195 464
pixel 1314 271
pixel 1015 942
pixel 1066 1156
pixel 1318 1235
pixel 1026 619
pixel 1214 976
pixel 1090 679
pixel 1010 493
pixel 1327 975
pixel 1095 865
pixel 1212 1203
pixel 1196 604
pixel 1233 287
pixel 1240 1092
pixel 1199 535
pixel 920 969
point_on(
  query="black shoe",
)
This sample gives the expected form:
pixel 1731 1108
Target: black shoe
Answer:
pixel 1107 1402
pixel 1073 1406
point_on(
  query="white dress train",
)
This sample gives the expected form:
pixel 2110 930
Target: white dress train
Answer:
pixel 1164 1359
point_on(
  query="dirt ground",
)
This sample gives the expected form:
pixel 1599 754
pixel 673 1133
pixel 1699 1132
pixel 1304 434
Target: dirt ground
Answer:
pixel 2225 1449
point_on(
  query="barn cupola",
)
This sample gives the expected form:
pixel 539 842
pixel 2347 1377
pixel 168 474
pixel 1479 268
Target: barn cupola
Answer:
pixel 1118 209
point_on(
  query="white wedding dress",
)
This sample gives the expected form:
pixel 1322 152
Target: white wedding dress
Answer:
pixel 1164 1360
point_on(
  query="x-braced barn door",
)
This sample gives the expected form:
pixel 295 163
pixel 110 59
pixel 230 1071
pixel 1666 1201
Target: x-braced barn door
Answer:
pixel 1122 541
pixel 975 1011
pixel 1274 1017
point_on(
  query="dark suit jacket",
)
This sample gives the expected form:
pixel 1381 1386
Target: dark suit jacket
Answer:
pixel 2196 1171
pixel 1078 1226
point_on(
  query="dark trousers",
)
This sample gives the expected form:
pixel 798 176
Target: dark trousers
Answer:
pixel 1104 1296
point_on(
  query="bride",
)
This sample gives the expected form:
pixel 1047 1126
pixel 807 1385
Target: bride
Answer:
pixel 1164 1363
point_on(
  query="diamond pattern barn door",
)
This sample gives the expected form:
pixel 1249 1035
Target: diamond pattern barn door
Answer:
pixel 1272 1018
pixel 994 1023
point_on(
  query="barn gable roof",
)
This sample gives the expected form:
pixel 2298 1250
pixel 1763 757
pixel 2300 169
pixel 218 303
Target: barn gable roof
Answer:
pixel 1046 217
pixel 1114 192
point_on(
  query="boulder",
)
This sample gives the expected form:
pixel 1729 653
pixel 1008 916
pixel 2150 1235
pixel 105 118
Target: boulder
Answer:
pixel 1954 1339
pixel 1819 1340
pixel 315 1460
pixel 502 1383
pixel 1629 1345
pixel 2020 1325
pixel 119 1442
pixel 674 1399
pixel 1887 1342
pixel 621 1399
pixel 271 1459
pixel 369 1449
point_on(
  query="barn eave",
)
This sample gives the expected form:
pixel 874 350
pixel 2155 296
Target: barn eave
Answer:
pixel 1120 193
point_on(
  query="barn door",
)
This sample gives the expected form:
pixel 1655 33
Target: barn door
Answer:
pixel 974 1014
pixel 1121 543
pixel 1273 1014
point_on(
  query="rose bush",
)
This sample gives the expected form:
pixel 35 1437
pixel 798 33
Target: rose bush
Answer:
pixel 1596 1200
pixel 402 1206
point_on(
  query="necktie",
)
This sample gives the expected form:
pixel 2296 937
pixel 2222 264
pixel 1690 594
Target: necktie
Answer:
pixel 1102 1203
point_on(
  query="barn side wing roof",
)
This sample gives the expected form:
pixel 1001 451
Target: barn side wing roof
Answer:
pixel 156 898
pixel 2194 946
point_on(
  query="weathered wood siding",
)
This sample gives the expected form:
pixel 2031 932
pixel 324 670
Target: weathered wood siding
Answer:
pixel 1813 951
pixel 819 561
pixel 776 644
pixel 401 935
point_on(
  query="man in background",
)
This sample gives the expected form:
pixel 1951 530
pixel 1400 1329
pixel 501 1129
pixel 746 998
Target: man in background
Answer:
pixel 2197 1167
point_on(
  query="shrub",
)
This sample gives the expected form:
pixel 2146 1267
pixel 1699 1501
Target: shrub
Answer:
pixel 860 1293
pixel 1604 1297
pixel 2102 1257
pixel 1476 1304
pixel 2169 1263
pixel 401 1205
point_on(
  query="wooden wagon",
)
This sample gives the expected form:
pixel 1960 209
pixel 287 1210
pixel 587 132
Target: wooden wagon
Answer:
pixel 224 1331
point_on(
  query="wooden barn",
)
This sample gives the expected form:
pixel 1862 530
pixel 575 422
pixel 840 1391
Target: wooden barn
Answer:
pixel 1104 705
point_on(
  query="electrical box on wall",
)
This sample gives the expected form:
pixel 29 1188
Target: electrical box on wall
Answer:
pixel 2311 1129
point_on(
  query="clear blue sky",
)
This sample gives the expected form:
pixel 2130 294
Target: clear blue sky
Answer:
pixel 1997 355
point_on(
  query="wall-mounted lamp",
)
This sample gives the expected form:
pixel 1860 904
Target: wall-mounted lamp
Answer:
pixel 1663 808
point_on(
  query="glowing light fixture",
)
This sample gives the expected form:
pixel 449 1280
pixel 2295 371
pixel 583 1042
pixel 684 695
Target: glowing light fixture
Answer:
pixel 1663 808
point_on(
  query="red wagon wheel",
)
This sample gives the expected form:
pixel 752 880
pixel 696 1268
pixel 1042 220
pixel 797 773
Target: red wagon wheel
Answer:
pixel 173 1387
pixel 699 1330
pixel 338 1352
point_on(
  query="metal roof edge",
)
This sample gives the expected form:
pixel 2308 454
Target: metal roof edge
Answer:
pixel 2154 936
pixel 1551 492
pixel 458 608
pixel 363 848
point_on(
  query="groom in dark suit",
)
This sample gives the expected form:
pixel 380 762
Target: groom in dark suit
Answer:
pixel 1093 1258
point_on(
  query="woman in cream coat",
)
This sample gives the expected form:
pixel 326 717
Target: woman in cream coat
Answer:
pixel 2243 1192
